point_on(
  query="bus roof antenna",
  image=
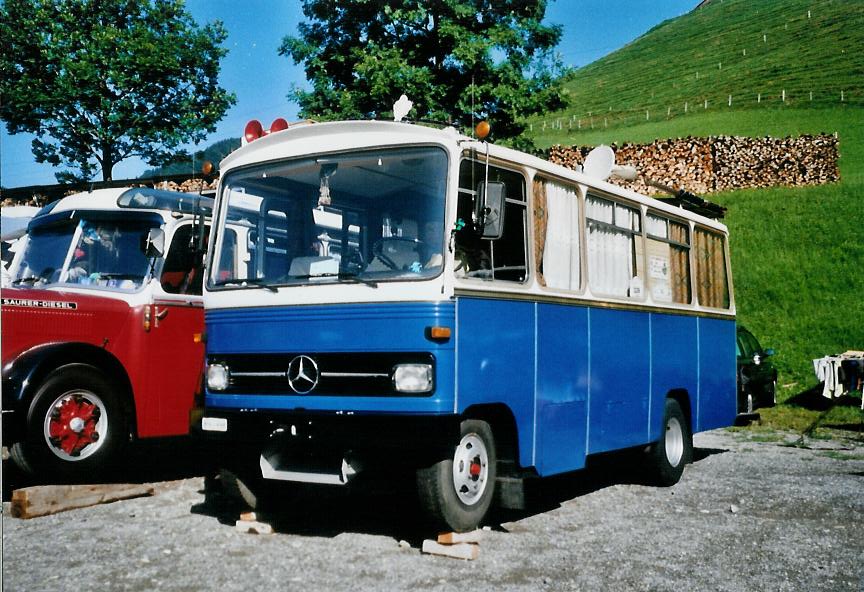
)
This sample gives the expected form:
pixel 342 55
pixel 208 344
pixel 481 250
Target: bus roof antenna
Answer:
pixel 401 108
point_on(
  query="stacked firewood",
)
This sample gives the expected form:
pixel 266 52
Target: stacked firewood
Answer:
pixel 187 186
pixel 766 162
pixel 720 163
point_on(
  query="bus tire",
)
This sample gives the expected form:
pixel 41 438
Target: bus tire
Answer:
pixel 668 456
pixel 457 492
pixel 249 491
pixel 75 427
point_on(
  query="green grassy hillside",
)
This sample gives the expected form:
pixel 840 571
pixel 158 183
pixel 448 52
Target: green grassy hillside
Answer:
pixel 756 51
pixel 797 253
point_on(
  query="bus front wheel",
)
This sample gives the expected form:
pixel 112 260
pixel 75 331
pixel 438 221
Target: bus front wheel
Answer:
pixel 458 491
pixel 668 456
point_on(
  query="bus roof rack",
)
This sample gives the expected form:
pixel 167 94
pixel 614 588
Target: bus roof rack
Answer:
pixel 689 201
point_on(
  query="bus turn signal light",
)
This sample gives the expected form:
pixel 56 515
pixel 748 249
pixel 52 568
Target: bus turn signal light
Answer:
pixel 442 333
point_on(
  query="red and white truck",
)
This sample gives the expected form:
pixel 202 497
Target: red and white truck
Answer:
pixel 102 325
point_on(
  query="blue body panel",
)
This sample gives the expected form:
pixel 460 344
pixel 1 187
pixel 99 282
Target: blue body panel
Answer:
pixel 562 388
pixel 577 379
pixel 620 379
pixel 496 361
pixel 717 369
pixel 674 364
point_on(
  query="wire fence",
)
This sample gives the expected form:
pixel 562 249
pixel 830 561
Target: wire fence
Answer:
pixel 611 117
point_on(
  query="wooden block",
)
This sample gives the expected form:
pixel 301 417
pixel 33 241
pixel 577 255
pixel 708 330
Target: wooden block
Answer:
pixel 453 538
pixel 42 500
pixel 467 551
pixel 251 526
pixel 249 516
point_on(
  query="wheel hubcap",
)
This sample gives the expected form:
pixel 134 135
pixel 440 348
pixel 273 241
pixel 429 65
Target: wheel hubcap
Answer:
pixel 76 425
pixel 674 441
pixel 470 469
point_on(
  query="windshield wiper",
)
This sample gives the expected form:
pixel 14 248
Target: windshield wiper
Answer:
pixel 345 276
pixel 30 279
pixel 258 282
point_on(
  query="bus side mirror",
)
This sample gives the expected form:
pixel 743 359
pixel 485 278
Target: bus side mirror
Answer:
pixel 489 210
pixel 155 244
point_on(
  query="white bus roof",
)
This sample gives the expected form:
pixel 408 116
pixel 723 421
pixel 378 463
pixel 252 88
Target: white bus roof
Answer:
pixel 318 138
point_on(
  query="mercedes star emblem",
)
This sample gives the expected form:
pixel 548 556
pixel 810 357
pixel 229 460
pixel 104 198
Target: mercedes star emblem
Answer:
pixel 303 374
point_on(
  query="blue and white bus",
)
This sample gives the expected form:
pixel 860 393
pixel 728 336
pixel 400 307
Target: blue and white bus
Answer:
pixel 409 298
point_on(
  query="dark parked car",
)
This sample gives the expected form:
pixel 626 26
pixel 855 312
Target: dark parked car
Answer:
pixel 757 376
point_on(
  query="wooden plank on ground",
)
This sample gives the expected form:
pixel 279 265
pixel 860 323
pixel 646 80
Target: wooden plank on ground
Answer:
pixel 253 527
pixel 452 538
pixel 42 500
pixel 458 551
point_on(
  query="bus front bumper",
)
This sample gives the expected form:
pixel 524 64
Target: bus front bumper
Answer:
pixel 347 441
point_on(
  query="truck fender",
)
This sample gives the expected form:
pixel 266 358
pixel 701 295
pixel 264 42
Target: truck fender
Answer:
pixel 23 376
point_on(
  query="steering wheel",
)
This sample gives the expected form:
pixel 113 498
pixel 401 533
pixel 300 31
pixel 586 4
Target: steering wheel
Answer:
pixel 378 249
pixel 352 262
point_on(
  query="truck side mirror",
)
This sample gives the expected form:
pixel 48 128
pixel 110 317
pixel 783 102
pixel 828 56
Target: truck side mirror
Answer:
pixel 489 209
pixel 155 243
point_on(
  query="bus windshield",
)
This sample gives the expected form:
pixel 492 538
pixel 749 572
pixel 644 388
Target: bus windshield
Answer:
pixel 367 216
pixel 97 253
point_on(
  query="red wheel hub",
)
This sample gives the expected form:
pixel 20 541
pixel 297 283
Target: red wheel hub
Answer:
pixel 72 426
pixel 474 469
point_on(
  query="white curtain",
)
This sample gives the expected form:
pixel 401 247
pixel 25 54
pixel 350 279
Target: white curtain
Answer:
pixel 610 262
pixel 656 226
pixel 610 258
pixel 561 251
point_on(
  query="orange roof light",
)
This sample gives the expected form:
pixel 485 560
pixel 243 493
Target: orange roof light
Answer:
pixel 482 130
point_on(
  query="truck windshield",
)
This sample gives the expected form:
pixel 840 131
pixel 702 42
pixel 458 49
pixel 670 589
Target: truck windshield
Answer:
pixel 97 253
pixel 366 216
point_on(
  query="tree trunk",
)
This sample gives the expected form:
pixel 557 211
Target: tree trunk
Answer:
pixel 107 162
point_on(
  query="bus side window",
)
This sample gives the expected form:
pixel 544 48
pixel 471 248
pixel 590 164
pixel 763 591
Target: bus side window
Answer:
pixel 502 259
pixel 668 250
pixel 556 230
pixel 712 284
pixel 614 241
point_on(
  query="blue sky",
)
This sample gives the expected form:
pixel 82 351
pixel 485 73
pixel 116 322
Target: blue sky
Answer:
pixel 262 79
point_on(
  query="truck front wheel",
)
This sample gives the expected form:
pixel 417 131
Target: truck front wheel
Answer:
pixel 458 491
pixel 75 427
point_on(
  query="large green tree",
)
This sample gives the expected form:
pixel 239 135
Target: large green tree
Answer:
pixel 99 81
pixel 457 60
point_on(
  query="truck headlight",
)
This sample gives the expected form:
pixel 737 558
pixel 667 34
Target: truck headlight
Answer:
pixel 412 378
pixel 217 377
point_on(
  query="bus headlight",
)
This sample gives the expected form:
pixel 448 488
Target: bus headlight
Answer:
pixel 217 377
pixel 412 378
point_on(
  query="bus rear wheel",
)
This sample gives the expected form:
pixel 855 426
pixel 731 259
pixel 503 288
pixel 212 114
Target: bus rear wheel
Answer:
pixel 668 456
pixel 75 427
pixel 457 492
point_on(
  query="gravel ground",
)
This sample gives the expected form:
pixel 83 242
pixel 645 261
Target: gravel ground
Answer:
pixel 751 513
